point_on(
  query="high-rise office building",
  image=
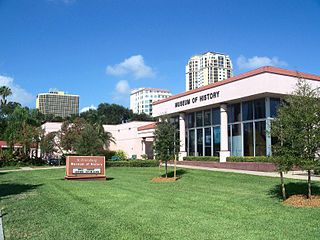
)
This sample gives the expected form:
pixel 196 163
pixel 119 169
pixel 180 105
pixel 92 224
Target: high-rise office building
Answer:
pixel 207 68
pixel 141 99
pixel 57 103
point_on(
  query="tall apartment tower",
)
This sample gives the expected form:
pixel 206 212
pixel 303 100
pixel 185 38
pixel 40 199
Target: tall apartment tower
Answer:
pixel 141 99
pixel 207 68
pixel 57 103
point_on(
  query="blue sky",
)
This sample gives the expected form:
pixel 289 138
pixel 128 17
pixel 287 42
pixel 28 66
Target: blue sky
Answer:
pixel 100 49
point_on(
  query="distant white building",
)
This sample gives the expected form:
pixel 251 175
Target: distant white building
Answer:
pixel 207 68
pixel 141 99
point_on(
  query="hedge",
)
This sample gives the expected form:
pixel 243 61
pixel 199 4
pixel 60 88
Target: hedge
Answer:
pixel 133 163
pixel 201 158
pixel 249 159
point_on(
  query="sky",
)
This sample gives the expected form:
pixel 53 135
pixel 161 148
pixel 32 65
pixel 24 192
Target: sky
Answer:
pixel 102 49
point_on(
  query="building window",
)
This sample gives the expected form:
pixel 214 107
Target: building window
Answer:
pixel 247 111
pixel 274 104
pixel 260 137
pixel 191 143
pixel 190 121
pixel 207 117
pixel 234 113
pixel 216 116
pixel 199 119
pixel 248 148
pixel 259 108
pixel 207 141
pixel 199 142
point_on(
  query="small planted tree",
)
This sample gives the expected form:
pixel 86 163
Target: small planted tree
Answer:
pixel 88 142
pixel 165 143
pixel 297 129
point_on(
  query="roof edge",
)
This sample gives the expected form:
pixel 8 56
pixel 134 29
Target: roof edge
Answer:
pixel 270 69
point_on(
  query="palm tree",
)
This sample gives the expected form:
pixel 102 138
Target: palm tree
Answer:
pixel 106 137
pixel 4 92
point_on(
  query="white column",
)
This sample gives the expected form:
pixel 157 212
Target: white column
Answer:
pixel 143 145
pixel 224 151
pixel 182 127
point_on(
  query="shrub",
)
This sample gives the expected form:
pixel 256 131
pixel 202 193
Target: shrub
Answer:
pixel 201 158
pixel 249 159
pixel 144 156
pixel 121 154
pixel 108 154
pixel 133 163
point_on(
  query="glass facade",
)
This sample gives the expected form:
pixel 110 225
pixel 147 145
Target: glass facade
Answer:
pixel 247 125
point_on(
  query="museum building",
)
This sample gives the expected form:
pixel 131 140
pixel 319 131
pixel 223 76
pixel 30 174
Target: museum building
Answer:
pixel 231 117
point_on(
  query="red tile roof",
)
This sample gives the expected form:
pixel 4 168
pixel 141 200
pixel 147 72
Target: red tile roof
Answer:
pixel 146 127
pixel 153 89
pixel 269 69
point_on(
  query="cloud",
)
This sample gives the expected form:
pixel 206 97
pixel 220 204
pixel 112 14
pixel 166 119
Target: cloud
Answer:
pixel 134 65
pixel 18 94
pixel 256 62
pixel 87 109
pixel 123 87
pixel 122 92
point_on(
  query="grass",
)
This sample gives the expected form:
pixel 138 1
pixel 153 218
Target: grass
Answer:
pixel 201 205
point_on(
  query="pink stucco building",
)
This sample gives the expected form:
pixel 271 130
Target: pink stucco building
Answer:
pixel 230 117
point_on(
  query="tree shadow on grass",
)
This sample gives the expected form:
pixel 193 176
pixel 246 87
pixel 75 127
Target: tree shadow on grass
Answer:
pixel 7 189
pixel 293 189
pixel 179 173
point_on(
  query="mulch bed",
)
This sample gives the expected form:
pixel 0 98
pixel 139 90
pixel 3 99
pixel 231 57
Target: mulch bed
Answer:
pixel 302 201
pixel 163 179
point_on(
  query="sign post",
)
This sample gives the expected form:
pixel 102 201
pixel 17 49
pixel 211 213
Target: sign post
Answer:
pixel 85 168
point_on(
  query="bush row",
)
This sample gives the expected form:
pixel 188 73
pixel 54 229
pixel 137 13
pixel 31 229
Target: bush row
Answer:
pixel 229 159
pixel 133 163
pixel 201 158
pixel 249 159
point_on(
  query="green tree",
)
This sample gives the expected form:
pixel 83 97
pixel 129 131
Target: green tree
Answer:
pixel 69 133
pixel 105 137
pixel 297 130
pixel 4 92
pixel 165 143
pixel 88 143
pixel 47 144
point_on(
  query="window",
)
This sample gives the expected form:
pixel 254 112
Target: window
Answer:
pixel 207 141
pixel 216 141
pixel 215 116
pixel 190 120
pixel 191 143
pixel 247 111
pixel 248 148
pixel 274 104
pixel 207 117
pixel 199 142
pixel 260 134
pixel 199 119
pixel 259 108
pixel 234 113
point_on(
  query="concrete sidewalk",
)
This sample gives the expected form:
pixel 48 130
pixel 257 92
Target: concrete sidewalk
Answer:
pixel 301 175
pixel 30 169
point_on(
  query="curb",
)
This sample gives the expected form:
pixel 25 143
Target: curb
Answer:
pixel 291 175
pixel 1 229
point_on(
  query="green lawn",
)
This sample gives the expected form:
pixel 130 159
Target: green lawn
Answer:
pixel 201 205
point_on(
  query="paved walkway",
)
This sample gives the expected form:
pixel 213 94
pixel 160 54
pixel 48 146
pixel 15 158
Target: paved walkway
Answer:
pixel 302 175
pixel 30 169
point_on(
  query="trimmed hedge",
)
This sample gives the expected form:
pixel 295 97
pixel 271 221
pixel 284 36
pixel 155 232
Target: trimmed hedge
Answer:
pixel 249 159
pixel 133 163
pixel 201 158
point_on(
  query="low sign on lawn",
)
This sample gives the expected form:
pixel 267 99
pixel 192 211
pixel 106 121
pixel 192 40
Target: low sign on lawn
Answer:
pixel 85 168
